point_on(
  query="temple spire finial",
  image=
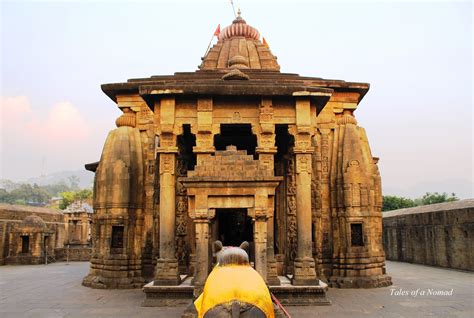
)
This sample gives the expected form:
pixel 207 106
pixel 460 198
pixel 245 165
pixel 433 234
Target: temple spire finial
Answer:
pixel 239 12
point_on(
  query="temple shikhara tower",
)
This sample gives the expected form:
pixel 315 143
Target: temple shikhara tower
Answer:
pixel 237 151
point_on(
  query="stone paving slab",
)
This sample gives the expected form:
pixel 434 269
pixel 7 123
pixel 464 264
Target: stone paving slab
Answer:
pixel 55 290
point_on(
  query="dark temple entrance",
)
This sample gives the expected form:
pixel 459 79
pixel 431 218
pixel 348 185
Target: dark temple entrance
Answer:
pixel 234 226
pixel 239 135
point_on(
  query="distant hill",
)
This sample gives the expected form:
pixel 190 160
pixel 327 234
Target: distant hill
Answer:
pixel 86 178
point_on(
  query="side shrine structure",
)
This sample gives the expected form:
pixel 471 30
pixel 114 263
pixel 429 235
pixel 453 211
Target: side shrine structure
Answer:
pixel 237 151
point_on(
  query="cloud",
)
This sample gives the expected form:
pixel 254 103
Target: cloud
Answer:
pixel 14 109
pixel 62 124
pixel 34 135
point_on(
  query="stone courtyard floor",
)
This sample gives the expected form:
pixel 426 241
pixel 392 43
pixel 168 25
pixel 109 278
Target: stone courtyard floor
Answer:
pixel 55 290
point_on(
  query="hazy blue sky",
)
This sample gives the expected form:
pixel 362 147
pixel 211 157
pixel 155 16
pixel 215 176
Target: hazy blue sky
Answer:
pixel 416 56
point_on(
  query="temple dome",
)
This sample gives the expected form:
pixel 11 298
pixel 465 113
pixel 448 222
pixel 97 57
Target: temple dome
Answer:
pixel 239 28
pixel 33 221
pixel 239 46
pixel 119 176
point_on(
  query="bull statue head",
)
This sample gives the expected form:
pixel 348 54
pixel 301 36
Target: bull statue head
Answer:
pixel 231 255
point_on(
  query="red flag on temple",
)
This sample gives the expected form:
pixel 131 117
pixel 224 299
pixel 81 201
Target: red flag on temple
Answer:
pixel 265 43
pixel 218 30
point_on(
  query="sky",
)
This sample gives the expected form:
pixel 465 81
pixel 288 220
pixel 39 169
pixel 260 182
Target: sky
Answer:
pixel 417 56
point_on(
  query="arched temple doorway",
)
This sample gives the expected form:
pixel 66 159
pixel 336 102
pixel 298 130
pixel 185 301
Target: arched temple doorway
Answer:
pixel 232 227
pixel 231 198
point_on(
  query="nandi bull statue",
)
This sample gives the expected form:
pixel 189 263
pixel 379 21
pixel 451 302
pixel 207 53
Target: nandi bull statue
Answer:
pixel 233 288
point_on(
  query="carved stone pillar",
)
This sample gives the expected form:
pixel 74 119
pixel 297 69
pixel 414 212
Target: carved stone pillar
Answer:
pixel 166 272
pixel 266 151
pixel 304 268
pixel 204 149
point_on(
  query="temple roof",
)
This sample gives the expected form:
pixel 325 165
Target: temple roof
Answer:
pixel 79 207
pixel 28 208
pixel 238 64
pixel 239 46
pixel 33 221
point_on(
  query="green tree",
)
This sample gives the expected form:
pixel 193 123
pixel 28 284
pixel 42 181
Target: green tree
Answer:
pixel 5 196
pixel 83 194
pixel 391 202
pixel 28 194
pixel 8 185
pixel 432 198
pixel 39 195
pixel 69 197
pixel 56 188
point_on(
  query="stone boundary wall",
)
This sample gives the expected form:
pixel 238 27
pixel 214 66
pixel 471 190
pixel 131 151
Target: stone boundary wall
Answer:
pixel 77 254
pixel 438 234
pixel 12 215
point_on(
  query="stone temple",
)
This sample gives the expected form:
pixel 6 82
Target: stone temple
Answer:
pixel 236 151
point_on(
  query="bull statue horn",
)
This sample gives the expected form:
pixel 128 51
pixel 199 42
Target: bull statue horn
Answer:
pixel 245 246
pixel 217 246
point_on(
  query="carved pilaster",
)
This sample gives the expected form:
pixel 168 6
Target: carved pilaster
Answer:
pixel 203 130
pixel 265 132
pixel 291 237
pixel 272 275
pixel 201 219
pixel 260 240
pixel 201 226
pixel 181 213
pixel 323 211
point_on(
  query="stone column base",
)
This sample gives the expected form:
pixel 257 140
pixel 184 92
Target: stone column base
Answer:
pixel 102 282
pixel 304 272
pixel 272 275
pixel 310 295
pixel 166 273
pixel 360 282
pixel 114 271
pixel 167 296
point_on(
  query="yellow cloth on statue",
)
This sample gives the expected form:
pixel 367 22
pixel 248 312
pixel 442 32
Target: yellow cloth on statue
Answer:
pixel 234 282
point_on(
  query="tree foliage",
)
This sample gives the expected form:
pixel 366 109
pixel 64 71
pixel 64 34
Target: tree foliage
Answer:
pixel 432 198
pixel 39 195
pixel 56 188
pixel 69 197
pixel 391 202
pixel 25 194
